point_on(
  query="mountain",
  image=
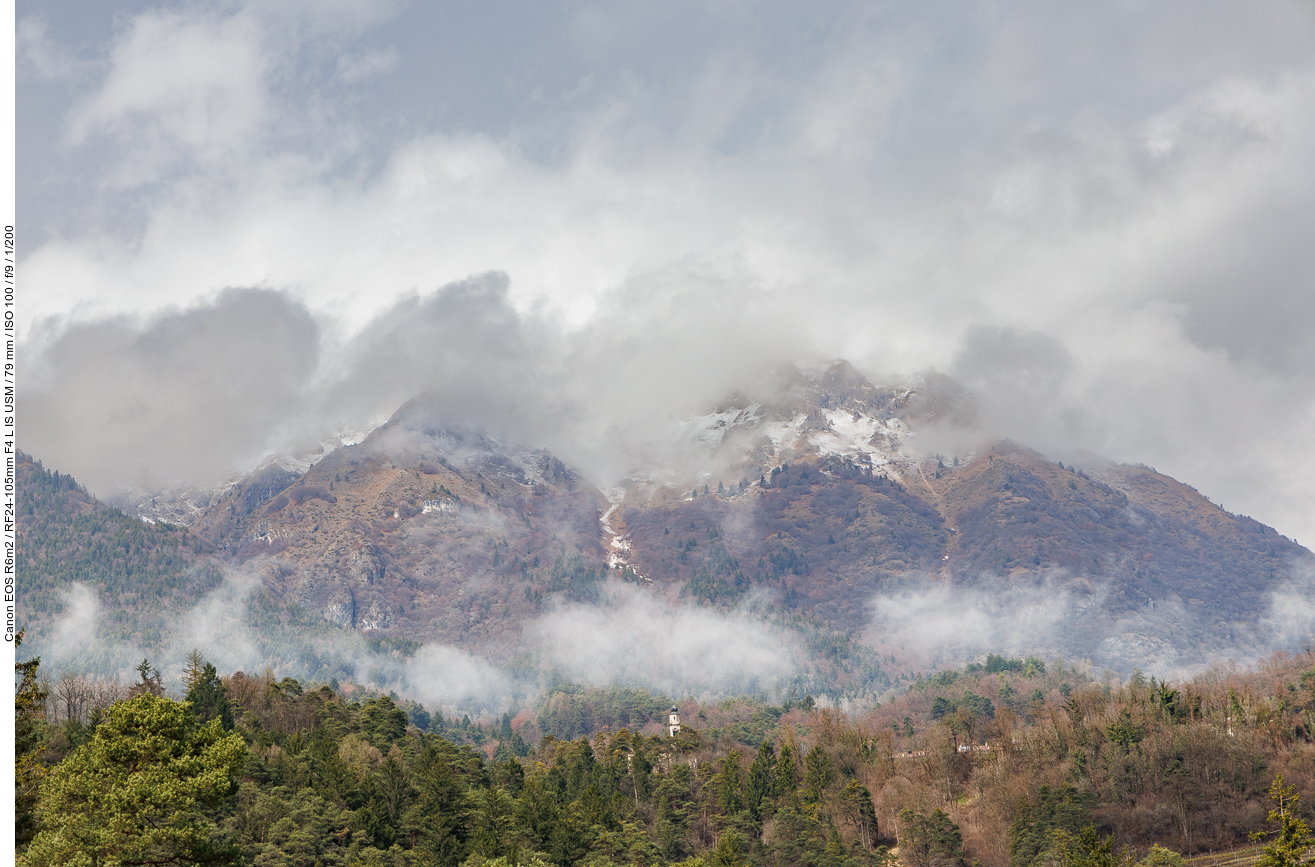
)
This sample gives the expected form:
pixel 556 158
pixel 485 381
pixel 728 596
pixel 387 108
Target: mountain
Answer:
pixel 858 517
pixel 420 531
pixel 832 503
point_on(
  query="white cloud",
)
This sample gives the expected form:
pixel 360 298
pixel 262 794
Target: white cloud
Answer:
pixel 441 675
pixel 47 58
pixel 944 624
pixel 1291 620
pixel 219 626
pixel 75 632
pixel 638 638
pixel 178 80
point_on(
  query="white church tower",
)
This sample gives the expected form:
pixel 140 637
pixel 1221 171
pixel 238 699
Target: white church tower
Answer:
pixel 673 721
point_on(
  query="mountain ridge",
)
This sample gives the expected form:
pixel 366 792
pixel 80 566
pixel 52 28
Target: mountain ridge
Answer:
pixel 836 511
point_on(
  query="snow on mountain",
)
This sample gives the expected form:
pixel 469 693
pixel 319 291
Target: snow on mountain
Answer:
pixel 813 417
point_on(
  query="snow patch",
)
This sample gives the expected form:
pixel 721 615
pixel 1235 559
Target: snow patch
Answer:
pixel 618 547
pixel 853 434
pixel 442 505
pixel 710 430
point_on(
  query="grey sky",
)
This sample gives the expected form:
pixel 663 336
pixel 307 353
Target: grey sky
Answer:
pixel 680 195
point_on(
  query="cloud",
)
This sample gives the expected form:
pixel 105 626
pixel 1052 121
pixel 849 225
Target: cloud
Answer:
pixel 1019 377
pixel 187 395
pixel 1291 619
pixel 441 675
pixel 74 640
pixel 463 345
pixel 76 631
pixel 680 199
pixel 1057 614
pixel 944 623
pixel 637 638
pixel 47 58
pixel 219 626
pixel 179 81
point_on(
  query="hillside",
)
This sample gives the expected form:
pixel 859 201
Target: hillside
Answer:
pixel 139 573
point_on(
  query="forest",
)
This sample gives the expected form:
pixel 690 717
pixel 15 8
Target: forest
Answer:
pixel 1004 762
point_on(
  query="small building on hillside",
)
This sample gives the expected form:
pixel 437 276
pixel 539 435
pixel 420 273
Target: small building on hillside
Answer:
pixel 673 721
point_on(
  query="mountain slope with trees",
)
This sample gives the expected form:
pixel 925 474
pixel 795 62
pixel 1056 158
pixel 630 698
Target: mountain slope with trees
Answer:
pixel 140 573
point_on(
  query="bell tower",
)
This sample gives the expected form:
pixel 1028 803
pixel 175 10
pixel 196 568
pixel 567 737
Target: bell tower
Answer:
pixel 673 721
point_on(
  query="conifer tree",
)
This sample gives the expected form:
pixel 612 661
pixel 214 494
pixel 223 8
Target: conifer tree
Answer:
pixel 150 683
pixel 786 779
pixel 1293 841
pixel 138 792
pixel 818 773
pixel 728 786
pixel 729 851
pixel 29 711
pixel 209 697
pixel 762 780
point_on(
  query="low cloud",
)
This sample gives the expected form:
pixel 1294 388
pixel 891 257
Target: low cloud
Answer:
pixel 439 675
pixel 1056 614
pixel 76 640
pixel 1291 619
pixel 219 626
pixel 639 639
pixel 944 623
pixel 75 632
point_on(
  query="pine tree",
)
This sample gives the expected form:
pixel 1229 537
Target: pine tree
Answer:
pixel 728 786
pixel 930 839
pixel 140 791
pixel 818 774
pixel 209 697
pixel 729 851
pixel 29 711
pixel 762 782
pixel 1294 838
pixel 786 779
pixel 150 683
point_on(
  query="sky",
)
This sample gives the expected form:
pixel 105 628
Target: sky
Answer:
pixel 244 225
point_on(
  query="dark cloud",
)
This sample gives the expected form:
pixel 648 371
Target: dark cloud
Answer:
pixel 187 396
pixel 463 345
pixel 1018 377
pixel 1255 298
